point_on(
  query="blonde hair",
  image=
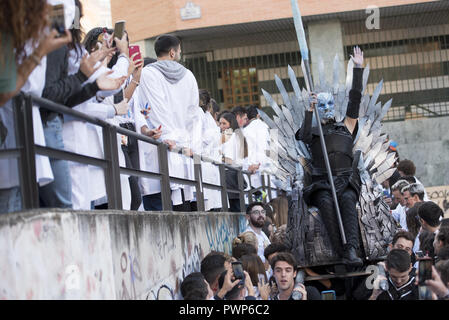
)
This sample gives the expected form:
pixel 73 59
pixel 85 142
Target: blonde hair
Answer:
pixel 246 237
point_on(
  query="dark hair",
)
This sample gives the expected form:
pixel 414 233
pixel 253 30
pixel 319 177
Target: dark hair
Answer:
pixel 409 179
pixel 147 61
pixel 252 264
pixel 77 33
pixel 215 106
pixel 273 248
pixel 443 233
pixel 412 219
pixel 252 205
pixel 266 226
pixel 20 22
pixel 407 167
pixel 193 287
pixel 211 267
pixel 239 111
pixel 242 249
pixel 395 177
pixel 230 117
pixel 430 212
pixel 403 234
pixel 164 44
pixel 251 111
pixel 426 242
pixel 399 260
pixel 204 99
pixel 269 209
pixel 91 38
pixel 443 253
pixel 443 269
pixel 284 256
pixel 234 292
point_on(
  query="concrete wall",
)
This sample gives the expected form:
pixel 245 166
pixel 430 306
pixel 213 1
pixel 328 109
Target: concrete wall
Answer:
pixel 426 143
pixel 110 255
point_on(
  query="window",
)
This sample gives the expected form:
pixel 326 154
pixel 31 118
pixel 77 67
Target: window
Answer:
pixel 240 86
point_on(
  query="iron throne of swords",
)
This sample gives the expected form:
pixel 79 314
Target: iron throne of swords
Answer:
pixel 306 233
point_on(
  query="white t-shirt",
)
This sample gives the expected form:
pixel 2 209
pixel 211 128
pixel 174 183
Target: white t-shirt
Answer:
pixel 263 242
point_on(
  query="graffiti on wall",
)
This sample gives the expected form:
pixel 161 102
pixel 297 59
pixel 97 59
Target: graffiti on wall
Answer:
pixel 192 263
pixel 440 195
pixel 129 266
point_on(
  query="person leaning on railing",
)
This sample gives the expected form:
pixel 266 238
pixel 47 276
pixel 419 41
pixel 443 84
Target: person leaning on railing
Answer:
pixel 71 90
pixel 25 41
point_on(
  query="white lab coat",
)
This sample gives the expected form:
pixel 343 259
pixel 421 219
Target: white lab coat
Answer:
pixel 9 174
pixel 258 138
pixel 88 182
pixel 211 149
pixel 148 157
pixel 172 106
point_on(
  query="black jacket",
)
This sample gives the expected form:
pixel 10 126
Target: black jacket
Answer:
pixel 62 88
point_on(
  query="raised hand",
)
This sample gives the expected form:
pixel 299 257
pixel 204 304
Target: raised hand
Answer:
pixel 264 289
pixel 52 42
pixel 357 58
pixel 107 84
pixel 87 65
pixel 135 67
pixel 122 44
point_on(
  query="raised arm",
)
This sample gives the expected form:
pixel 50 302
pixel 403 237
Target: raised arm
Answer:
pixel 355 94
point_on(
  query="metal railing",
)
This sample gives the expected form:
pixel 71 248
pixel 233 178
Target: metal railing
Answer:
pixel 26 151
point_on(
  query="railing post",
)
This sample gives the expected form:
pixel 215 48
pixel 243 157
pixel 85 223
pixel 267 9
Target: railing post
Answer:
pixel 162 150
pixel 199 183
pixel 264 187
pixel 241 190
pixel 112 172
pixel 23 117
pixel 269 188
pixel 224 191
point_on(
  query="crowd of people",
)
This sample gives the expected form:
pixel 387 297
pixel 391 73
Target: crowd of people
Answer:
pixel 160 98
pixel 270 270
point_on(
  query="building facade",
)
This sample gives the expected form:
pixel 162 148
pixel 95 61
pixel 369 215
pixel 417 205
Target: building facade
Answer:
pixel 235 47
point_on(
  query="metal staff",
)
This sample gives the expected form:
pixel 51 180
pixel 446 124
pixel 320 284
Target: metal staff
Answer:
pixel 308 77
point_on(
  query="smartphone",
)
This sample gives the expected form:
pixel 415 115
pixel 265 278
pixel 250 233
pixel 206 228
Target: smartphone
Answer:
pixel 118 97
pixel 328 295
pixel 237 268
pixel 425 269
pixel 419 254
pixel 133 50
pixel 119 29
pixel 57 19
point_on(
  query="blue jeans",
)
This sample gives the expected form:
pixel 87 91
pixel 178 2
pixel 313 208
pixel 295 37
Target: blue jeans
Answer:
pixel 152 202
pixel 10 200
pixel 57 194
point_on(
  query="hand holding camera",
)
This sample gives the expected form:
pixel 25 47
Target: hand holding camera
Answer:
pixel 52 42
